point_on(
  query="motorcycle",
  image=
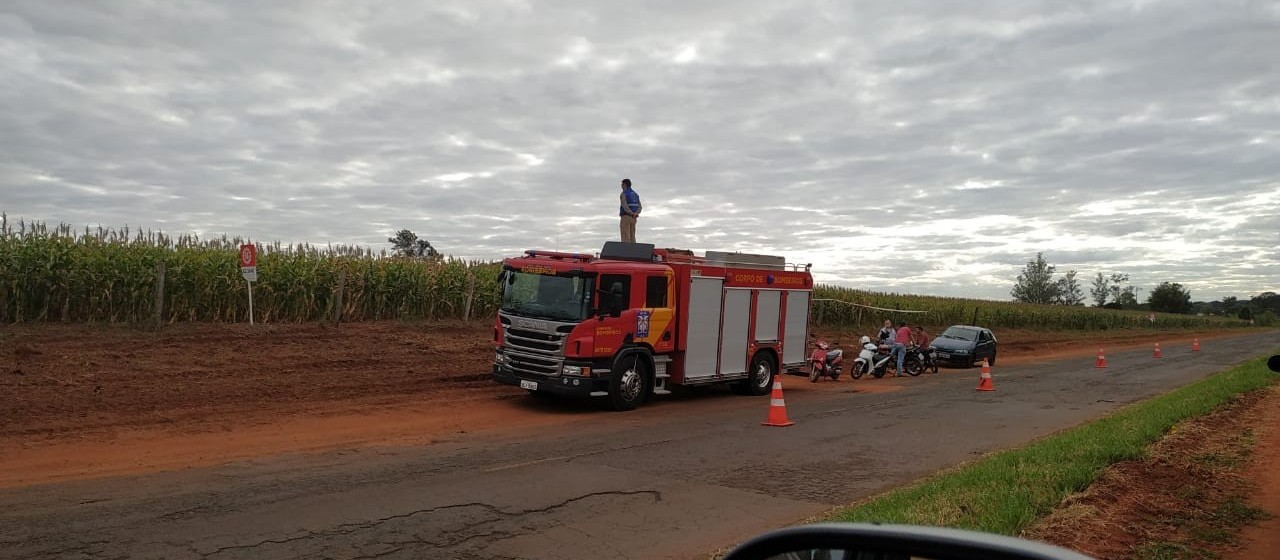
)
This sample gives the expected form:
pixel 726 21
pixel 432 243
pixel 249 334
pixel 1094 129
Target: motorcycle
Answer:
pixel 825 361
pixel 874 359
pixel 920 359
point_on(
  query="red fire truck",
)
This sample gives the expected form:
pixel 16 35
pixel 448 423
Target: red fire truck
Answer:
pixel 635 320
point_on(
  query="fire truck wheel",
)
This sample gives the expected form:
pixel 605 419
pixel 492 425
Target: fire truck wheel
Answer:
pixel 628 388
pixel 760 378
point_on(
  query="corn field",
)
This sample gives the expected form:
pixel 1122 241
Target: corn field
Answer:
pixel 839 306
pixel 105 275
pixel 61 274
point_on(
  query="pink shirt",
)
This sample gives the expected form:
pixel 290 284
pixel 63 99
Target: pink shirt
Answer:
pixel 904 334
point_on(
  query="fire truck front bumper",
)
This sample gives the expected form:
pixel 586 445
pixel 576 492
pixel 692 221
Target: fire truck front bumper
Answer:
pixel 567 385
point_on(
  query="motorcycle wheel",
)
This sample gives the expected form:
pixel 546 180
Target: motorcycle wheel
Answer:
pixel 859 369
pixel 913 366
pixel 814 373
pixel 879 372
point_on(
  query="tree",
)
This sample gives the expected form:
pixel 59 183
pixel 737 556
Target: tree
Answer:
pixel 1100 290
pixel 1069 292
pixel 1118 291
pixel 1268 318
pixel 1170 297
pixel 1112 293
pixel 1111 289
pixel 407 244
pixel 1230 305
pixel 1035 284
pixel 1266 300
pixel 1127 298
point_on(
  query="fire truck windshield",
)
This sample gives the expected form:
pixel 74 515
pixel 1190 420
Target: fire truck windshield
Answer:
pixel 563 298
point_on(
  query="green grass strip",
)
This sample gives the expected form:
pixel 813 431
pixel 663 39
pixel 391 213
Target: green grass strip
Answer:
pixel 1007 490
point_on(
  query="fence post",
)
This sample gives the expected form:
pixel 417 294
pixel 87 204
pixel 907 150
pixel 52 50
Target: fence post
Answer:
pixel 157 312
pixel 337 296
pixel 471 293
pixel 822 307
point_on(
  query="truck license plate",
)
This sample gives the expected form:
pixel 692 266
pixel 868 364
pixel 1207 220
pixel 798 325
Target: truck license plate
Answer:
pixel 530 385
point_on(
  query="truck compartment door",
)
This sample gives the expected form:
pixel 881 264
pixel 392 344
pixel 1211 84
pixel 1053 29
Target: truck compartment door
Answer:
pixel 768 307
pixel 734 331
pixel 794 344
pixel 702 348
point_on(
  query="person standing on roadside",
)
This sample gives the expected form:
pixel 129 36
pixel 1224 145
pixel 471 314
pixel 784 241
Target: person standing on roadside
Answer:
pixel 900 345
pixel 922 340
pixel 920 337
pixel 628 210
pixel 886 334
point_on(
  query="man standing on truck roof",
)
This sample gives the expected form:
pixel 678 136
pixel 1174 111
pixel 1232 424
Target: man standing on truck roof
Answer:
pixel 628 210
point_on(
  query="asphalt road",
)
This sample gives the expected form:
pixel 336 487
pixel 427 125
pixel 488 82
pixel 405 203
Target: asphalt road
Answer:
pixel 676 479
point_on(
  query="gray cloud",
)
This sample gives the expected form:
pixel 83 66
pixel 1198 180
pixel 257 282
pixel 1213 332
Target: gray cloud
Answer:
pixel 899 146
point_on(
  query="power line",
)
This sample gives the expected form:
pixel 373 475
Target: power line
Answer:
pixel 869 306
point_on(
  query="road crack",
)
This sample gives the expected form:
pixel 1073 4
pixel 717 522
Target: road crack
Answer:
pixel 443 539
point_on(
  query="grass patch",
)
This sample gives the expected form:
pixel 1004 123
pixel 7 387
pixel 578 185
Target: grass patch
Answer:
pixel 1214 535
pixel 1006 491
pixel 1161 550
pixel 1188 493
pixel 1220 460
pixel 1237 512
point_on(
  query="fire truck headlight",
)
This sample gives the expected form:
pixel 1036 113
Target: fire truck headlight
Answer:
pixel 578 371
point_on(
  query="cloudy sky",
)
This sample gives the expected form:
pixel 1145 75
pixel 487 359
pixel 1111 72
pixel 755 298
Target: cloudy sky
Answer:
pixel 898 145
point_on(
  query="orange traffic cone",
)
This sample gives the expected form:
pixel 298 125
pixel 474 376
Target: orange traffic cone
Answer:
pixel 1195 345
pixel 1157 354
pixel 1102 360
pixel 777 407
pixel 984 383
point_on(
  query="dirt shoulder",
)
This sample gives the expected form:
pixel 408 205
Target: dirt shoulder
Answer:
pixel 1202 484
pixel 1263 540
pixel 69 381
pixel 93 400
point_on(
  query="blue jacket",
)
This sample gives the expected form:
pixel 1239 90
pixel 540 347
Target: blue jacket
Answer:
pixel 633 202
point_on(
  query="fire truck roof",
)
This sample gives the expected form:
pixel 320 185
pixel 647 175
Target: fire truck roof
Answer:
pixel 647 253
pixel 620 251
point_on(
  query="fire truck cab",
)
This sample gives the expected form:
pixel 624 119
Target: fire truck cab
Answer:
pixel 634 320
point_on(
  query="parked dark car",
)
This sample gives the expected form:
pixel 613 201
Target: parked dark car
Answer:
pixel 965 345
